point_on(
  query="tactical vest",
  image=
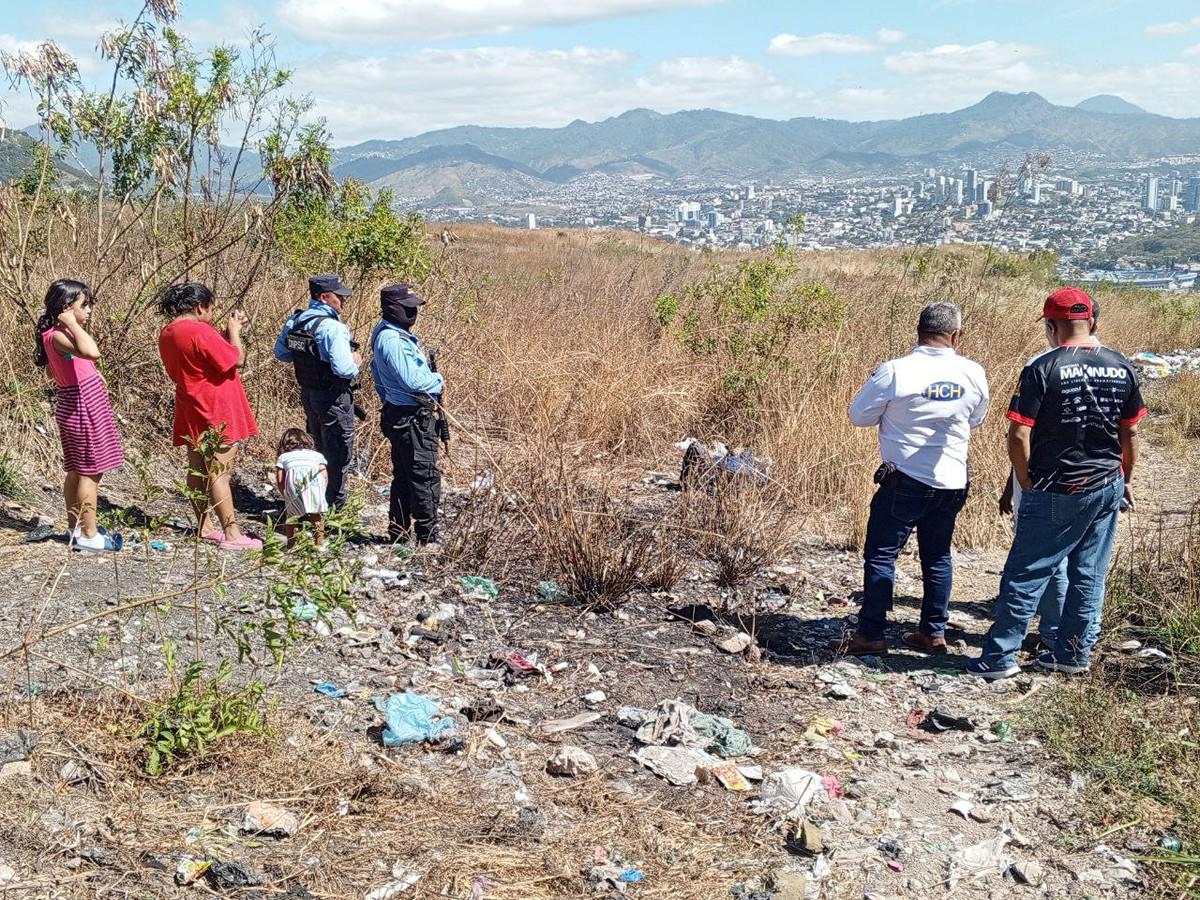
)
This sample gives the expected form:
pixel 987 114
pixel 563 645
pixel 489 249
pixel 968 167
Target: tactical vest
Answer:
pixel 311 371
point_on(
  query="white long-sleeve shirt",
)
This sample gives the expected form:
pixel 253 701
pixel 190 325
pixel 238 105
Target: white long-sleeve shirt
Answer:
pixel 925 405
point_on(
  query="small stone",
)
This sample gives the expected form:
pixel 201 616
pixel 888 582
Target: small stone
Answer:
pixel 571 762
pixel 1129 646
pixel 981 814
pixel 1028 872
pixel 16 771
pixel 495 738
pixel 73 772
pixel 841 691
pixel 806 838
pixel 595 697
pixel 885 740
pixel 7 874
pixel 789 886
pixel 735 643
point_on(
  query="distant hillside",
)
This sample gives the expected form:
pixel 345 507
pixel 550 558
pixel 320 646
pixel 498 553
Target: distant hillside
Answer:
pixel 1111 105
pixel 16 155
pixel 718 145
pixel 1168 246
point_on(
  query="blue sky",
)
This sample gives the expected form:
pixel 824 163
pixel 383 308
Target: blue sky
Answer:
pixel 392 68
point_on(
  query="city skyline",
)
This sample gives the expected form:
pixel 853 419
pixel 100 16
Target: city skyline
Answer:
pixel 394 68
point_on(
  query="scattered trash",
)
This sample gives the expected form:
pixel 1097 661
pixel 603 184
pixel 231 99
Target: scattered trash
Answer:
pixel 841 691
pixel 1171 844
pixel 1129 646
pixel 39 533
pixel 557 726
pixel 980 860
pixel 550 592
pixel 833 787
pixel 188 870
pixel 674 722
pixel 631 876
pixel 786 794
pixel 1003 731
pixel 1154 366
pixel 161 546
pixel 403 879
pixel 267 820
pixel 485 709
pixel 678 765
pixel 571 762
pixel 330 690
pixel 822 727
pixel 804 837
pixel 305 611
pixel 230 876
pixel 731 777
pixel 704 465
pixel 595 697
pixel 381 574
pixel 476 587
pixel 943 718
pixel 963 808
pixel 410 719
pixel 1152 653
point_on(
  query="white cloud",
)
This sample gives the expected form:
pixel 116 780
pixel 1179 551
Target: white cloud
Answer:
pixel 377 21
pixel 987 56
pixel 1166 29
pixel 520 86
pixel 828 42
pixel 1193 50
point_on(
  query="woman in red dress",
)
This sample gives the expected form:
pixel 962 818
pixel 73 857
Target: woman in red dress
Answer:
pixel 204 363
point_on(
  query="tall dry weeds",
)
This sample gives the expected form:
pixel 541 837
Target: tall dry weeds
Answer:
pixel 551 338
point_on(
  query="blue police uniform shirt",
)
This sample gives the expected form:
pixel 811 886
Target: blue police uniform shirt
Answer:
pixel 332 338
pixel 399 367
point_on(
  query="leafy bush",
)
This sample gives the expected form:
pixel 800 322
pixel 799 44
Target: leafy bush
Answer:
pixel 199 714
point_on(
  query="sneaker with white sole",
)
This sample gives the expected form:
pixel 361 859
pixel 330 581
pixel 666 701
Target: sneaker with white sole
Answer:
pixel 1049 663
pixel 980 669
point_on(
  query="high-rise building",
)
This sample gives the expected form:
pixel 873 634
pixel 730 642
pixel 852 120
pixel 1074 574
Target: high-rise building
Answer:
pixel 985 209
pixel 1035 196
pixel 1191 195
pixel 1150 194
pixel 532 222
pixel 972 178
pixel 956 192
pixel 981 191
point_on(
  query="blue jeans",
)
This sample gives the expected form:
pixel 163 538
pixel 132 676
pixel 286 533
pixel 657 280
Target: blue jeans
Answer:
pixel 1051 606
pixel 898 507
pixel 1051 527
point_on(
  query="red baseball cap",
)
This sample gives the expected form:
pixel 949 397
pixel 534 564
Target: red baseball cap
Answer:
pixel 1068 303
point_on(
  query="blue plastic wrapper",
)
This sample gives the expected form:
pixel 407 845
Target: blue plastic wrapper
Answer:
pixel 410 719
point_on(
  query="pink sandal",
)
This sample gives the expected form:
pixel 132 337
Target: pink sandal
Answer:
pixel 245 542
pixel 213 537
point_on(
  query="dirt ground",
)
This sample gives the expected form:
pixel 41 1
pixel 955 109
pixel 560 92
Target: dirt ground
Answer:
pixel 479 816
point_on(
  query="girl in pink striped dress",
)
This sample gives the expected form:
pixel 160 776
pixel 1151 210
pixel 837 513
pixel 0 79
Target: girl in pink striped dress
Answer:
pixel 82 409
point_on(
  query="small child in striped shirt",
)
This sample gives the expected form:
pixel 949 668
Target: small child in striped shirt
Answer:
pixel 301 476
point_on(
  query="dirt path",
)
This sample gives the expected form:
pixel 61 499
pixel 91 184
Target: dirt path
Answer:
pixel 907 810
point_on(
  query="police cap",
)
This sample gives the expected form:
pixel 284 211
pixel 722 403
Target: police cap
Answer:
pixel 327 284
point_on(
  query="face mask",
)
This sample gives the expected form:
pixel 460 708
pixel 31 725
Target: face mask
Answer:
pixel 398 314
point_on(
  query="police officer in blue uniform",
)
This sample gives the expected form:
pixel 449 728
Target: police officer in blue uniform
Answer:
pixel 411 391
pixel 320 347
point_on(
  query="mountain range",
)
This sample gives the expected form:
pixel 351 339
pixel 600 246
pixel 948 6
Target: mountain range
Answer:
pixel 470 164
pixel 456 163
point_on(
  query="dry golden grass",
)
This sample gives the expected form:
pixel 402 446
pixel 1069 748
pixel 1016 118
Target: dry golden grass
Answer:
pixel 549 340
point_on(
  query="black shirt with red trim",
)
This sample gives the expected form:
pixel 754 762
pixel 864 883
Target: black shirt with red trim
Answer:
pixel 1076 398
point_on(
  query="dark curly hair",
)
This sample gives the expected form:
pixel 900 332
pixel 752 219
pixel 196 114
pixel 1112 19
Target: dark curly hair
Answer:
pixel 183 298
pixel 59 296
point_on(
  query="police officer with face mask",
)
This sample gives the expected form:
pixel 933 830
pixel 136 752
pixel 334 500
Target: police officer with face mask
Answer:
pixel 411 391
pixel 318 344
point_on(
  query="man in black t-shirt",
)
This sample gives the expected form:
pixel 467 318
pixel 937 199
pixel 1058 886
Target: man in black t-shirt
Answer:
pixel 1072 440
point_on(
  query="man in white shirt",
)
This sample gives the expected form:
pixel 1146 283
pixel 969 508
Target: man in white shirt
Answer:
pixel 925 404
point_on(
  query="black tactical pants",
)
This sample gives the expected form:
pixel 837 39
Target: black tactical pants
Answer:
pixel 330 421
pixel 416 479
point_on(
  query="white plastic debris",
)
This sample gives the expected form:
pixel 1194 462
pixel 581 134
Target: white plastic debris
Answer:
pixel 785 794
pixel 403 879
pixel 980 860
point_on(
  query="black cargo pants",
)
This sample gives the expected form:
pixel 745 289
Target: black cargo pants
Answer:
pixel 416 480
pixel 329 415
